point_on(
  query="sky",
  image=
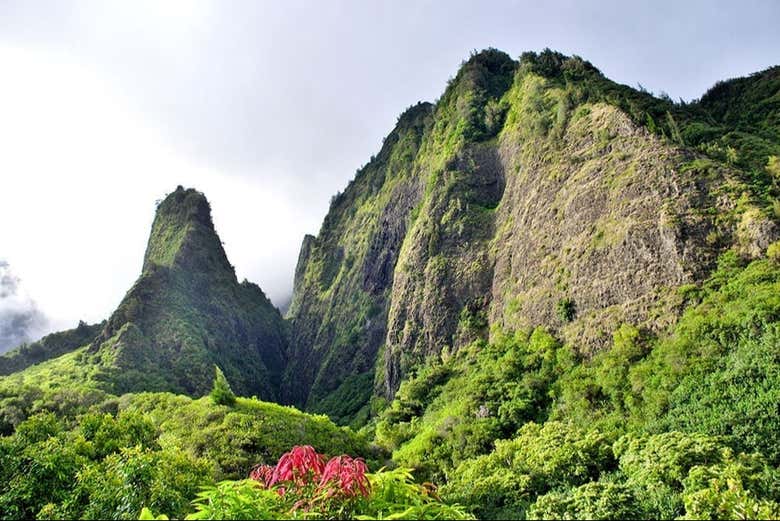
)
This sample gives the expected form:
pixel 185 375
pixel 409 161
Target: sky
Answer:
pixel 268 108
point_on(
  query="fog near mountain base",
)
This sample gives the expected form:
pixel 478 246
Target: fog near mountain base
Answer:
pixel 20 319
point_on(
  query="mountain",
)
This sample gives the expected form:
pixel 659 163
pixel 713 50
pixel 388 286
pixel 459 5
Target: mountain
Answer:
pixel 187 312
pixel 533 193
pixel 552 295
pixel 184 314
pixel 48 347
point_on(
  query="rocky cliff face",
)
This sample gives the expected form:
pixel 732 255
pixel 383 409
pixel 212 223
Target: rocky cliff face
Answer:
pixel 343 279
pixel 187 312
pixel 533 193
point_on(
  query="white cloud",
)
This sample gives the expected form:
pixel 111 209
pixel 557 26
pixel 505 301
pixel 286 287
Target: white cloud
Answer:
pixel 79 176
pixel 20 318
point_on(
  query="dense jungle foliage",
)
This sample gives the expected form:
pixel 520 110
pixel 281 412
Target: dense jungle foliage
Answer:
pixel 683 424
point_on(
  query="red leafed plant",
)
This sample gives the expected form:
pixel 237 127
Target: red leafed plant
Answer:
pixel 303 477
pixel 348 474
pixel 300 465
pixel 262 473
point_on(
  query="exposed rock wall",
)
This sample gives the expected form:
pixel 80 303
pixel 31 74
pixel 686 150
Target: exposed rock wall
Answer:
pixel 537 193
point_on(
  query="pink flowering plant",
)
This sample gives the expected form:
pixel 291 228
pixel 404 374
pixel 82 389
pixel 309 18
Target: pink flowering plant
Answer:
pixel 307 482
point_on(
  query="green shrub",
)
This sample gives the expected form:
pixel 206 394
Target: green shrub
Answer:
pixel 742 487
pixel 37 469
pixel 595 500
pixel 237 500
pixel 657 466
pixel 395 495
pixel 565 309
pixel 666 458
pixel 773 252
pixel 123 483
pixel 221 393
pixel 505 482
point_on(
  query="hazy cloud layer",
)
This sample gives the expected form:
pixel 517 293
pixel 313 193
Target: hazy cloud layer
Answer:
pixel 20 318
pixel 269 108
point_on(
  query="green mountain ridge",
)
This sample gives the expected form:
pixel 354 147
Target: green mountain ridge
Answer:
pixel 188 312
pixel 554 295
pixel 532 190
pixel 48 347
pixel 184 314
pixel 532 193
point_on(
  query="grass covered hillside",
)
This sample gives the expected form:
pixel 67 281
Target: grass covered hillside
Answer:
pixel 155 450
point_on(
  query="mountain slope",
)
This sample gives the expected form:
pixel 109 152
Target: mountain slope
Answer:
pixel 532 193
pixel 338 314
pixel 187 312
pixel 48 347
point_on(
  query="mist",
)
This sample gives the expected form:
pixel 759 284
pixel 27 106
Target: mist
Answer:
pixel 20 319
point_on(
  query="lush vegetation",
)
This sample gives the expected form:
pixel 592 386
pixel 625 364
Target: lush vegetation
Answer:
pixel 154 449
pixel 50 346
pixel 303 485
pixel 736 121
pixel 221 393
pixel 674 415
pixel 683 424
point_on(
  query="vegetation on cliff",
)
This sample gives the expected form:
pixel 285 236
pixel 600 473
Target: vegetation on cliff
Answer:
pixel 533 193
pixel 566 421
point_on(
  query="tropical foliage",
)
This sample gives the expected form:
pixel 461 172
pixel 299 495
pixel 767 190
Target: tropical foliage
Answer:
pixel 484 413
pixel 677 425
pixel 155 450
pixel 304 485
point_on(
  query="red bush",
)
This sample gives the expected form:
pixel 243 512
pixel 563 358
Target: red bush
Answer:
pixel 301 465
pixel 348 474
pixel 303 472
pixel 262 473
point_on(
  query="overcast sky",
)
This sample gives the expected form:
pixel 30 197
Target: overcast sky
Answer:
pixel 268 108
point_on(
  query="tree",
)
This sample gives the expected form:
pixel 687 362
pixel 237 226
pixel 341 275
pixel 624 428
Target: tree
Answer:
pixel 221 393
pixel 773 167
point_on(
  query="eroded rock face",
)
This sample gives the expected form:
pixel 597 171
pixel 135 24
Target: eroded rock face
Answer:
pixel 446 271
pixel 533 195
pixel 604 225
pixel 339 314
